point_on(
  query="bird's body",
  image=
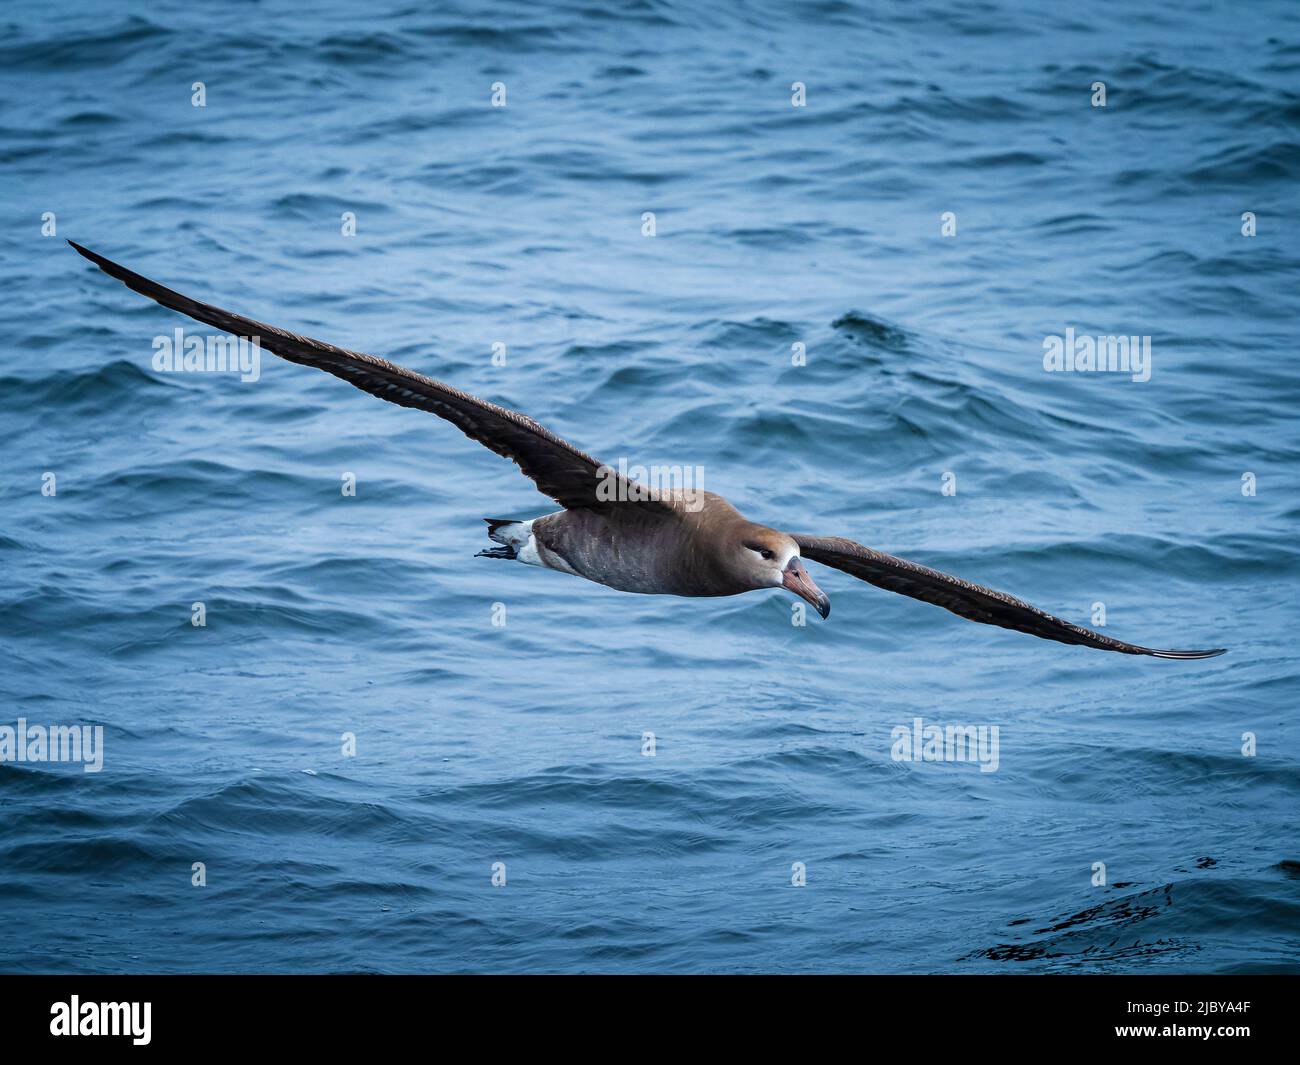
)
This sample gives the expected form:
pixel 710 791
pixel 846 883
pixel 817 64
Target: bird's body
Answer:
pixel 660 551
pixel 620 534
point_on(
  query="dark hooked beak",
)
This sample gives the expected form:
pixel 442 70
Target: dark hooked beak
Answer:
pixel 797 580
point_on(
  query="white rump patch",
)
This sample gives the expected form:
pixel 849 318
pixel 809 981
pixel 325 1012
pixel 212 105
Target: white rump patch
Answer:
pixel 520 537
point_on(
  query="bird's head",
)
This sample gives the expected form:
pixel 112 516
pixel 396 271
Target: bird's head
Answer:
pixel 764 558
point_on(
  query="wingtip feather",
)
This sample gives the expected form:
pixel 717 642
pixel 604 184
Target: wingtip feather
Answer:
pixel 1187 655
pixel 86 253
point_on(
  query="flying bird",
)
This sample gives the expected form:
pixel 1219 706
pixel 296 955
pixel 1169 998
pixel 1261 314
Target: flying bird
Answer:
pixel 621 534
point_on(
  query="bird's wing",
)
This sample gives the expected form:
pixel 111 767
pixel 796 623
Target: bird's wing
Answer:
pixel 559 469
pixel 970 601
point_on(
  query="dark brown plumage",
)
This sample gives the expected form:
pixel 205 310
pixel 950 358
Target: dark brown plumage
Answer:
pixel 971 601
pixel 618 533
pixel 559 469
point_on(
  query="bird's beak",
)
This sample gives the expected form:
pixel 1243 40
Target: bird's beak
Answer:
pixel 797 580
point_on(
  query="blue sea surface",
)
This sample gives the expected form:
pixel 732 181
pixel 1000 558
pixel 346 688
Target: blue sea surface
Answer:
pixel 1124 829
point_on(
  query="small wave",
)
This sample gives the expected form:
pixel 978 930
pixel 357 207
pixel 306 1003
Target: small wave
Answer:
pixel 86 392
pixel 872 331
pixel 63 50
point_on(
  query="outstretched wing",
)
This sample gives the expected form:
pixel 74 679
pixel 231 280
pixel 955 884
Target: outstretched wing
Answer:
pixel 970 601
pixel 559 469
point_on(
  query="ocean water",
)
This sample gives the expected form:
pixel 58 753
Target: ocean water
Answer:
pixel 523 744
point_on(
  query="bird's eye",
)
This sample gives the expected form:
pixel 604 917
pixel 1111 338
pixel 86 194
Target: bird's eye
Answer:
pixel 763 552
pixel 767 554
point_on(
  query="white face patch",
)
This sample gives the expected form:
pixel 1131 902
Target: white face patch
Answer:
pixel 779 563
pixel 769 572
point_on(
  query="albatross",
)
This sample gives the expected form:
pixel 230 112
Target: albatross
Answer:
pixel 618 532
